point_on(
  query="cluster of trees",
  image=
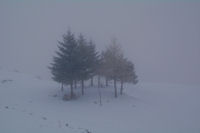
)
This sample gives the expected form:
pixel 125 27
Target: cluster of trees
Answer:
pixel 77 61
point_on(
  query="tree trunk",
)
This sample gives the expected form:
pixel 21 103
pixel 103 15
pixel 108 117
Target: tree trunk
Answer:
pixel 62 87
pixel 115 87
pixel 122 87
pixel 106 82
pixel 82 86
pixel 71 88
pixel 92 84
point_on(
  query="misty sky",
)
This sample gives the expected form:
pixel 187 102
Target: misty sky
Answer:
pixel 161 38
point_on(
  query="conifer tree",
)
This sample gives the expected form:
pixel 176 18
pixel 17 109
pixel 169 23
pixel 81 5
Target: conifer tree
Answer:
pixel 83 61
pixel 87 60
pixel 126 73
pixel 94 61
pixel 111 58
pixel 57 69
pixel 64 67
pixel 116 67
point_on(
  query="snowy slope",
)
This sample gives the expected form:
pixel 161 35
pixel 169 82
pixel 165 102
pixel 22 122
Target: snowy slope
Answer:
pixel 29 104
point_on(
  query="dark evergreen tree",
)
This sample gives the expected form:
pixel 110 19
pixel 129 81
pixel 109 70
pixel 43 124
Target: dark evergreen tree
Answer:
pixel 64 68
pixel 57 70
pixel 87 60
pixel 83 61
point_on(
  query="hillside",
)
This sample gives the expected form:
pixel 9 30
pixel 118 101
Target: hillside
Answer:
pixel 29 104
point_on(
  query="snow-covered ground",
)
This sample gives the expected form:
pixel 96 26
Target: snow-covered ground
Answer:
pixel 30 104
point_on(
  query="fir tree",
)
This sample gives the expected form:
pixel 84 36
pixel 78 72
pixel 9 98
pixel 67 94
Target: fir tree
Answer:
pixel 87 60
pixel 93 60
pixel 110 62
pixel 64 67
pixel 126 73
pixel 83 61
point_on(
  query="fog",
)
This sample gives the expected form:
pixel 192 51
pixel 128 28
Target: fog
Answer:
pixel 161 38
